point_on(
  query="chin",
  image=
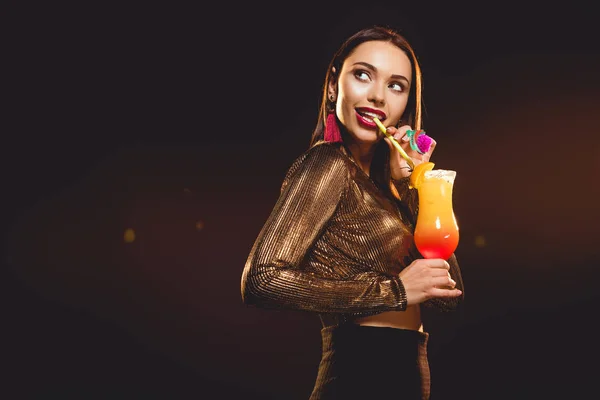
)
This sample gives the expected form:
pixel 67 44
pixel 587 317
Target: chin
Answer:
pixel 362 135
pixel 369 137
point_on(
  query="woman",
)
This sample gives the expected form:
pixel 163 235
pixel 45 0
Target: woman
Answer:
pixel 339 239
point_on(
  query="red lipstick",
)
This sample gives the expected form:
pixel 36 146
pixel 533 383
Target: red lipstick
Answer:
pixel 365 115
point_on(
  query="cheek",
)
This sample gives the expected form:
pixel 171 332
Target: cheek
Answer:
pixel 353 91
pixel 344 110
pixel 398 108
pixel 351 96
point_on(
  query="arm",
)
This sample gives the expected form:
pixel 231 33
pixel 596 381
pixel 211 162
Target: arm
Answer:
pixel 273 275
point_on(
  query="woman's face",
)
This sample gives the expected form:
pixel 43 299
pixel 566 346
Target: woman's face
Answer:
pixel 374 81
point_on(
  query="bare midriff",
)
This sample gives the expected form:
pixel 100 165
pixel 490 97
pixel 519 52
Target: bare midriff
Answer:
pixel 408 319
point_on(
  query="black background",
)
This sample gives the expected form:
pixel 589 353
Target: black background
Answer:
pixel 179 120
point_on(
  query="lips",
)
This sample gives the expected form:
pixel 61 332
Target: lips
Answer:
pixel 365 116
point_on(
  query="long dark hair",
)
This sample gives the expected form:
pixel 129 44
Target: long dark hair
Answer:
pixel 412 114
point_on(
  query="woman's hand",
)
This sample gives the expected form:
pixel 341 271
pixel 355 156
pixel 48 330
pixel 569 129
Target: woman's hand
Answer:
pixel 398 166
pixel 424 279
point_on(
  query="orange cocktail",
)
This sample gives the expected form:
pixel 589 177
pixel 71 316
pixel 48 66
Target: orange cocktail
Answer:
pixel 436 230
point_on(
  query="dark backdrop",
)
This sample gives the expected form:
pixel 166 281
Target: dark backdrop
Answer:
pixel 143 148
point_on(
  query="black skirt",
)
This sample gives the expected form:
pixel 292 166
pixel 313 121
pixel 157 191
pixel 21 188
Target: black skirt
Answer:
pixel 365 362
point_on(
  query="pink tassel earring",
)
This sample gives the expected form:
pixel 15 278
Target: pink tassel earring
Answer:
pixel 332 130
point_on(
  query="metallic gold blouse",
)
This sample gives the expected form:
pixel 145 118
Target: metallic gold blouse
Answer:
pixel 335 243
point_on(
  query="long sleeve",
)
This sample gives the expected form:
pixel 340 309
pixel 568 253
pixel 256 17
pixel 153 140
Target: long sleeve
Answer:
pixel 274 275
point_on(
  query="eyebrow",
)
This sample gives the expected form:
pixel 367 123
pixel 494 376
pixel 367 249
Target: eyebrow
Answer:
pixel 372 67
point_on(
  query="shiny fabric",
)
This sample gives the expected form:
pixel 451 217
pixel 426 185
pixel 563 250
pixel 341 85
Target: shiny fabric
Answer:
pixel 366 362
pixel 335 242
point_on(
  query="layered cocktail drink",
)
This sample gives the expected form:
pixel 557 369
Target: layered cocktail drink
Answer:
pixel 436 231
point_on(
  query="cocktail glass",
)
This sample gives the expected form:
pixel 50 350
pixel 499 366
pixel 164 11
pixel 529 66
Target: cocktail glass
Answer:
pixel 436 231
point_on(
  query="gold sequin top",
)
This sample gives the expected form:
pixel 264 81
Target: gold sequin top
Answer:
pixel 335 243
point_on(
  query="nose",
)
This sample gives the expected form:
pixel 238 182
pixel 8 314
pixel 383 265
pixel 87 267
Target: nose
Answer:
pixel 376 95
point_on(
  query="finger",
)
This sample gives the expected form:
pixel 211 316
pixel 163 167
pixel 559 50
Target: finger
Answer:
pixel 438 292
pixel 392 130
pixel 438 263
pixel 440 272
pixel 444 282
pixel 401 135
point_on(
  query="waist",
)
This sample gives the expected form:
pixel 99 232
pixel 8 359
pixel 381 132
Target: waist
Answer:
pixel 409 319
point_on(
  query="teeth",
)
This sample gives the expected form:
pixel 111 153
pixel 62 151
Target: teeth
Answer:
pixel 369 114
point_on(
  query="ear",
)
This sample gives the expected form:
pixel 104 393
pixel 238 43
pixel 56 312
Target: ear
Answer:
pixel 332 87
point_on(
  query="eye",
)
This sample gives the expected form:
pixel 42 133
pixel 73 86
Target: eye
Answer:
pixel 362 75
pixel 398 87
